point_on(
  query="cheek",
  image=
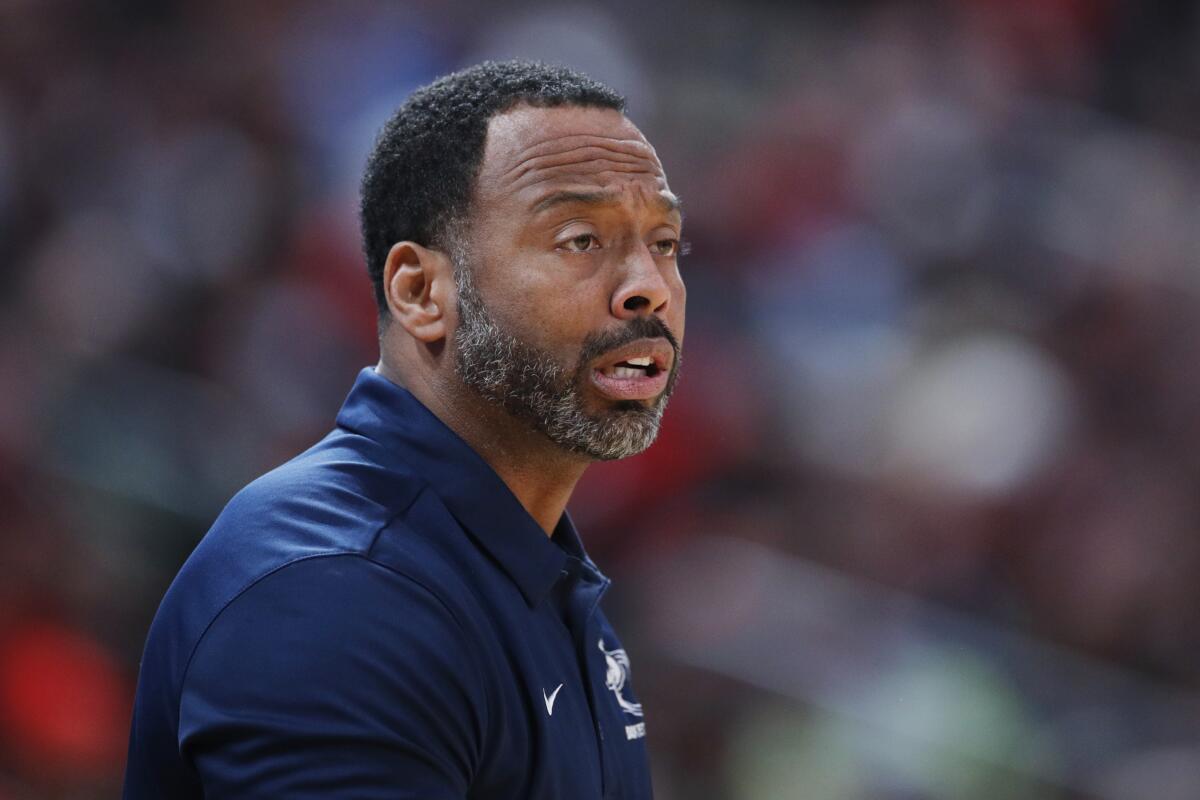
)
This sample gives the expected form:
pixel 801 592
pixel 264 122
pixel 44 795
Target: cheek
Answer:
pixel 678 311
pixel 553 316
pixel 564 297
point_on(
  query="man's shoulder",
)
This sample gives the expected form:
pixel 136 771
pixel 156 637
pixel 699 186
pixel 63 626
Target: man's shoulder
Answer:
pixel 327 608
pixel 331 500
pixel 295 652
pixel 334 497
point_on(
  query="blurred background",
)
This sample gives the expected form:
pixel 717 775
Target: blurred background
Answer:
pixel 922 522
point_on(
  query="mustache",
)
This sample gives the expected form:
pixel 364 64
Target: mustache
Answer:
pixel 597 344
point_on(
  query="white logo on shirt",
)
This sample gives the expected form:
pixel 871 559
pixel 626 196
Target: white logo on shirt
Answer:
pixel 616 677
pixel 550 700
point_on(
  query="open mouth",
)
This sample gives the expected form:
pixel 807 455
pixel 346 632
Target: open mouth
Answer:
pixel 638 371
pixel 643 367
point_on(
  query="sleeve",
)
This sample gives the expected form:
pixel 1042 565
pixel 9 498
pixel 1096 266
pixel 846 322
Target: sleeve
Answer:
pixel 333 677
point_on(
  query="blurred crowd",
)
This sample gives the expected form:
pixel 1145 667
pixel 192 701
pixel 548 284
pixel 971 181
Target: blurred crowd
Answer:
pixel 922 522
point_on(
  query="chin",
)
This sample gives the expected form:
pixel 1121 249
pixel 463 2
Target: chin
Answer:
pixel 613 439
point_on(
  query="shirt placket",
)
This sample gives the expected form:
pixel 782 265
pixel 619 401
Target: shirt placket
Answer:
pixel 587 587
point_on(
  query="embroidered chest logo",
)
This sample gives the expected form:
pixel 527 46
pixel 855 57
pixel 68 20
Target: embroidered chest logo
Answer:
pixel 615 678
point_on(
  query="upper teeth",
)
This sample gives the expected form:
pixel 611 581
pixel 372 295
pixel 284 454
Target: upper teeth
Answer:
pixel 644 361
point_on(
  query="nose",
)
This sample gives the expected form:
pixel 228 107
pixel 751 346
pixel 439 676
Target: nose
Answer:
pixel 643 289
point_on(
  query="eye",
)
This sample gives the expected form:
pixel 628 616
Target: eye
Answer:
pixel 581 243
pixel 670 247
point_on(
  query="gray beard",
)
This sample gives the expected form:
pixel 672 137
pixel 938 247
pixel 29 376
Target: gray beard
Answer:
pixel 534 387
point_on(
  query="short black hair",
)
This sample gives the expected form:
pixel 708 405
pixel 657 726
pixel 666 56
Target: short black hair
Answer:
pixel 420 176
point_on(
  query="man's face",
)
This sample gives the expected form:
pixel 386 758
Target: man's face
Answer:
pixel 571 307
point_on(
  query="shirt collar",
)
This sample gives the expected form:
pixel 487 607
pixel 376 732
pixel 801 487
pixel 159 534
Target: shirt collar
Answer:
pixel 470 489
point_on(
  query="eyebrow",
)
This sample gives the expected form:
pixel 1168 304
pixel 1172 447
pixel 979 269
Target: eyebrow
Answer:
pixel 668 201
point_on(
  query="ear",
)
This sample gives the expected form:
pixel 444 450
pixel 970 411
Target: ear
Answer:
pixel 418 284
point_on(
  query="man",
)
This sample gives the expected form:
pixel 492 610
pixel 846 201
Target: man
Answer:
pixel 405 610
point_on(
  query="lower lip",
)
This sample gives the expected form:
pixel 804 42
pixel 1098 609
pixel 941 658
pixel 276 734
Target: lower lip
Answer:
pixel 644 387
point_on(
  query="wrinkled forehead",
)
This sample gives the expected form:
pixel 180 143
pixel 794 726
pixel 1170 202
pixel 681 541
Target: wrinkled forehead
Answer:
pixel 530 151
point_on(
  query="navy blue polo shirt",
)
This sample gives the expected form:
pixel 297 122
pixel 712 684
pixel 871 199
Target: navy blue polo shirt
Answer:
pixel 381 618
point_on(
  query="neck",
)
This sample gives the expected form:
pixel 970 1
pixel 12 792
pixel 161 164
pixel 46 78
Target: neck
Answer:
pixel 540 474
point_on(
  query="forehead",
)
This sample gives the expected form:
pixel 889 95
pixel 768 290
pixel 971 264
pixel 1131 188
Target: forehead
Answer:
pixel 531 153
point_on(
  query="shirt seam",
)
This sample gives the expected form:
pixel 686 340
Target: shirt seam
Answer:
pixel 249 585
pixel 426 487
pixel 258 578
pixel 363 554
